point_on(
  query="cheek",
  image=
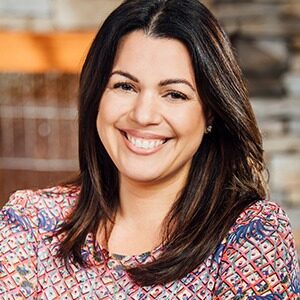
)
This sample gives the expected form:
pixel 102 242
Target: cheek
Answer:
pixel 104 111
pixel 104 126
pixel 111 108
pixel 108 119
pixel 190 123
pixel 99 124
pixel 107 114
pixel 104 119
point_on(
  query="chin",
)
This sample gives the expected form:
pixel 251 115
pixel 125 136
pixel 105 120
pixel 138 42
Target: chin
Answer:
pixel 142 177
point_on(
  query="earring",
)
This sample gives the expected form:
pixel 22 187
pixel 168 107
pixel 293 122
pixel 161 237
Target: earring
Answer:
pixel 208 129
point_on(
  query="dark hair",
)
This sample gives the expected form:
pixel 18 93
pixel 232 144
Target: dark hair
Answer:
pixel 226 174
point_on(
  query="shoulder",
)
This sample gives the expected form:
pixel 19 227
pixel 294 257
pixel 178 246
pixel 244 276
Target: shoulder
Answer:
pixel 262 209
pixel 262 216
pixel 27 222
pixel 262 227
pixel 263 222
pixel 42 197
pixel 43 208
pixel 258 256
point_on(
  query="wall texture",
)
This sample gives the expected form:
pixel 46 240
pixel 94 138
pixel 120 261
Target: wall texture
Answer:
pixel 38 111
pixel 38 130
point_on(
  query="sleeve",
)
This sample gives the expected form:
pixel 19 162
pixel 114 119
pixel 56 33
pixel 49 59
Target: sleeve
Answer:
pixel 259 260
pixel 18 242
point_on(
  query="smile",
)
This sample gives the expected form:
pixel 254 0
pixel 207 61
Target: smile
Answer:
pixel 143 142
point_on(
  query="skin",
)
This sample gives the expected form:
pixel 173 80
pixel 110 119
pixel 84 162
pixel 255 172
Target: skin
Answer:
pixel 151 95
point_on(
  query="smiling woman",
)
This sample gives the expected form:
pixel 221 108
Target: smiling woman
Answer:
pixel 171 198
pixel 151 120
pixel 151 123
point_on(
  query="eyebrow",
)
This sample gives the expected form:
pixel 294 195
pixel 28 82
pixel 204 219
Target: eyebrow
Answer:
pixel 161 83
pixel 125 74
pixel 176 81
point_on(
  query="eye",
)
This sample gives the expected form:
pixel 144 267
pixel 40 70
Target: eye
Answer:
pixel 175 95
pixel 125 86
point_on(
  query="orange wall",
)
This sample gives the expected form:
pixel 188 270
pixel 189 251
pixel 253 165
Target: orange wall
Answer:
pixel 42 52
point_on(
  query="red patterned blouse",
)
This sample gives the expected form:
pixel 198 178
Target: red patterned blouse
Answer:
pixel 257 259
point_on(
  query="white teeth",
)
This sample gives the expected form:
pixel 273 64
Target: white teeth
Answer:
pixel 143 143
pixel 139 143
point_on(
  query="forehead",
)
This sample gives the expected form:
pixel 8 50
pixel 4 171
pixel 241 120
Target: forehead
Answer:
pixel 140 53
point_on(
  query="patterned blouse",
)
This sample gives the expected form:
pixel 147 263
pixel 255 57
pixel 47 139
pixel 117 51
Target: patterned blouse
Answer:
pixel 257 259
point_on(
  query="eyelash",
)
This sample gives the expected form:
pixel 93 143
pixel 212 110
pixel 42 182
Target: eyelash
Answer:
pixel 175 95
pixel 127 87
pixel 124 86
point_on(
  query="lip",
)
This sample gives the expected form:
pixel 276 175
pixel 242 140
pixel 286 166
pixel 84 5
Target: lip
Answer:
pixel 145 135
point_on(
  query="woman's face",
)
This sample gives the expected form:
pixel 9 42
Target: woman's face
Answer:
pixel 150 120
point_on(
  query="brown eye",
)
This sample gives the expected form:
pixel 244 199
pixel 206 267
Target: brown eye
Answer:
pixel 124 86
pixel 176 96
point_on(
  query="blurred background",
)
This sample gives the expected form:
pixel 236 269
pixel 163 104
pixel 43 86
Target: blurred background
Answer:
pixel 42 47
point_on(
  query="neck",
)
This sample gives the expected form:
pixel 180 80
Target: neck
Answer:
pixel 147 202
pixel 138 222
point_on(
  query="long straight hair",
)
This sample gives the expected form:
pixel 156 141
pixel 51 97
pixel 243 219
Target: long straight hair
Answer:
pixel 227 171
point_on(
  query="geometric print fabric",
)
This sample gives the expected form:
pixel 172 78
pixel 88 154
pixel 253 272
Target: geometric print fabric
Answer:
pixel 257 259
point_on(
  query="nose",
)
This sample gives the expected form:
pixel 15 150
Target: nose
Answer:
pixel 145 110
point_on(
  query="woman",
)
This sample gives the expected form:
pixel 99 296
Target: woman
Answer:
pixel 169 203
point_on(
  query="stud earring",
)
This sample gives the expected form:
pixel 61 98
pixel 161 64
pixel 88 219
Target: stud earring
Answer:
pixel 208 129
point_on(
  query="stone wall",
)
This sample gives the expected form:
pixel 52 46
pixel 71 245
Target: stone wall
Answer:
pixel 45 15
pixel 266 38
pixel 38 130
